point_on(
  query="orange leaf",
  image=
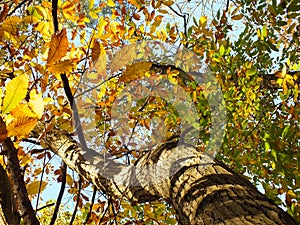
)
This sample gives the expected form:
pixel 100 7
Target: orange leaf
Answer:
pixel 22 110
pixel 21 126
pixel 58 46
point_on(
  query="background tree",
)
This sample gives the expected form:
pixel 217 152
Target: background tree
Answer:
pixel 251 47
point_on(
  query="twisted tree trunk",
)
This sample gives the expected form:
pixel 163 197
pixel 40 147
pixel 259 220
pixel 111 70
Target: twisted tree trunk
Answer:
pixel 201 189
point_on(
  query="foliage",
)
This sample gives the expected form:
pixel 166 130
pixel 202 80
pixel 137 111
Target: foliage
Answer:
pixel 252 47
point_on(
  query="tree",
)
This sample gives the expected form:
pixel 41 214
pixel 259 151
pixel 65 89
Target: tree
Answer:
pixel 70 72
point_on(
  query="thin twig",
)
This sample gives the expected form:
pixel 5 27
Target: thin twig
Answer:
pixel 91 206
pixel 77 201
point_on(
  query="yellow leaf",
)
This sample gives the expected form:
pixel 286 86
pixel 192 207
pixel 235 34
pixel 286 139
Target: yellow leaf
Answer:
pixel 136 3
pixel 135 71
pixel 35 187
pixel 25 160
pixel 16 90
pixel 21 126
pixel 22 110
pixel 45 28
pixel 69 180
pixel 126 55
pixel 100 66
pixel 111 3
pixel 65 66
pixel 58 46
pixel 36 103
pixel 203 21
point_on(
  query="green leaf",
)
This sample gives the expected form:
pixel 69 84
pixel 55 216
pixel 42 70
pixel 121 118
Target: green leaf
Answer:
pixel 222 50
pixel 293 7
pixel 16 90
pixel 250 72
pixel 264 32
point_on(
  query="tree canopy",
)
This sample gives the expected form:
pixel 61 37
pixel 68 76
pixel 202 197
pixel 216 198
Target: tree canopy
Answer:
pixel 75 73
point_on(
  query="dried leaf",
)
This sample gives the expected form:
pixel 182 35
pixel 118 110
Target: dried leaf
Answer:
pixel 96 50
pixel 3 131
pixel 4 12
pixel 58 46
pixel 237 17
pixel 16 90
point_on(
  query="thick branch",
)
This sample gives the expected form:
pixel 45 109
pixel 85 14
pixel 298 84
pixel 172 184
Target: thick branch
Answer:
pixel 8 210
pixel 13 166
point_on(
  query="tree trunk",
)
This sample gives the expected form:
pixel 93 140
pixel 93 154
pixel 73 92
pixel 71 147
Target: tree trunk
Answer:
pixel 200 189
pixel 217 195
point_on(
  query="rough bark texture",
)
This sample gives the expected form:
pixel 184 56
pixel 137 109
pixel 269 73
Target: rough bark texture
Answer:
pixel 201 189
pixel 18 184
pixel 8 209
pixel 216 195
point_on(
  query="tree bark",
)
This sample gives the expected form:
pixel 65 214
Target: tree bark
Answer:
pixel 200 189
pixel 8 209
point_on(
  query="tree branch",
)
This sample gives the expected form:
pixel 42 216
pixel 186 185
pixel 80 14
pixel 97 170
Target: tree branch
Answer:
pixel 13 166
pixel 9 214
pixel 61 193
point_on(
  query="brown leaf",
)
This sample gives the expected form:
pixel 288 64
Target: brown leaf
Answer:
pixel 4 12
pixel 58 46
pixel 3 131
pixel 96 50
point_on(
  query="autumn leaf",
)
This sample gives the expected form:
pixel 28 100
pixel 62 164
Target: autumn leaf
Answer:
pixel 3 131
pixel 16 90
pixel 111 3
pixel 35 187
pixel 4 12
pixel 58 47
pixel 96 50
pixel 100 66
pixel 22 109
pixel 237 17
pixel 135 71
pixel 36 103
pixel 65 66
pixel 69 180
pixel 21 126
pixel 126 55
